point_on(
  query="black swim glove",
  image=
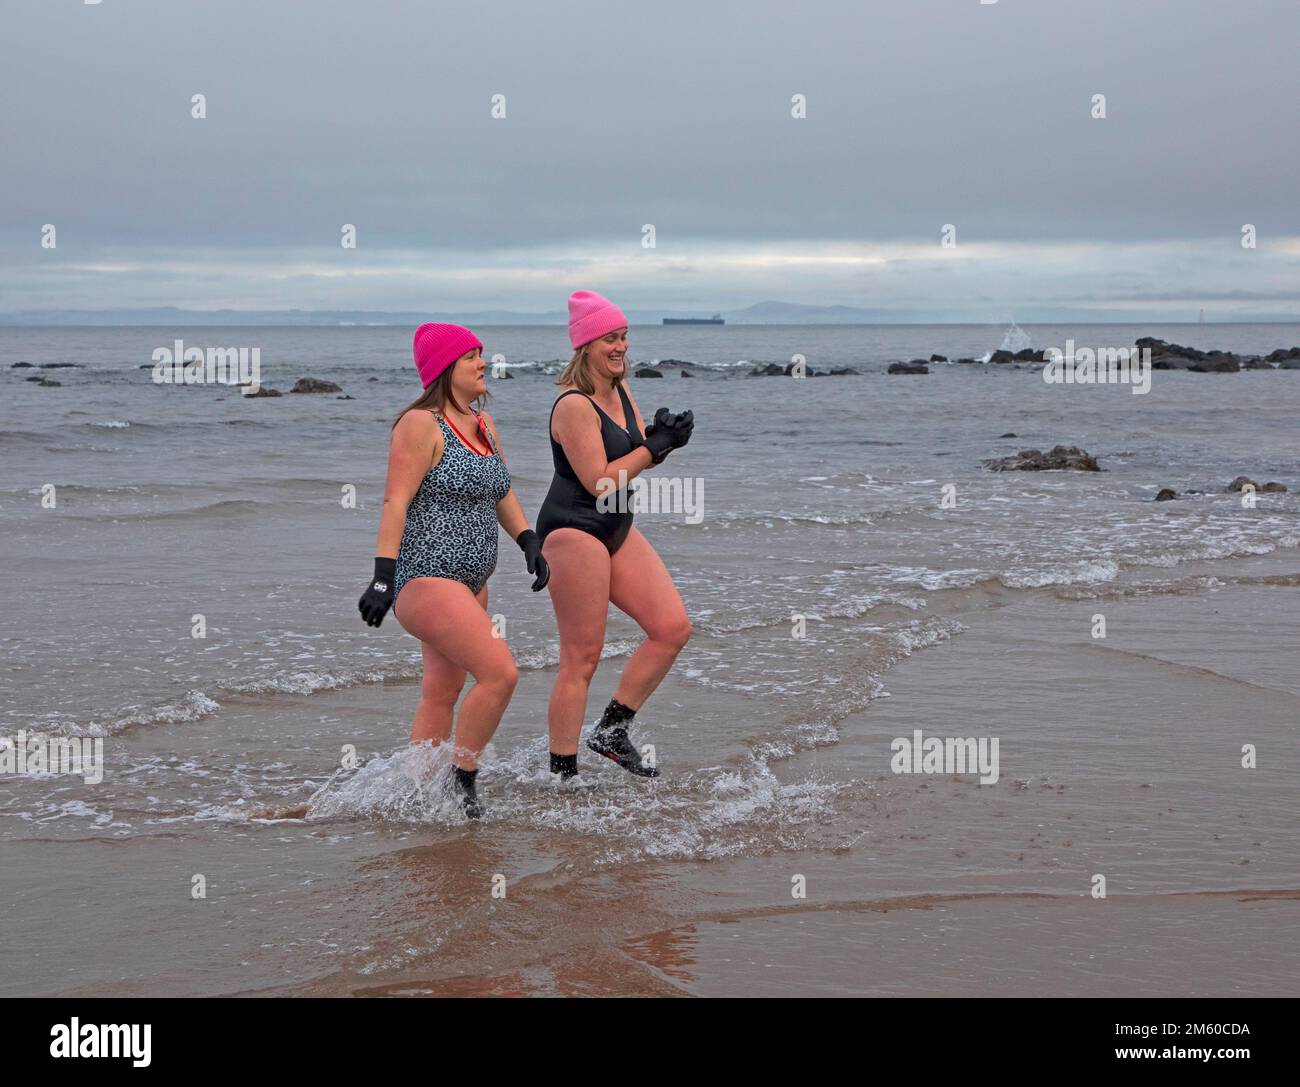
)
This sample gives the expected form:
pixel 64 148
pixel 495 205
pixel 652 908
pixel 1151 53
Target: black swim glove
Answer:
pixel 378 597
pixel 659 435
pixel 682 427
pixel 531 546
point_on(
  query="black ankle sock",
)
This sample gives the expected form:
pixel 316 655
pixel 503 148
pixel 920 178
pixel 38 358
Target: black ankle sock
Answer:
pixel 564 765
pixel 465 777
pixel 616 714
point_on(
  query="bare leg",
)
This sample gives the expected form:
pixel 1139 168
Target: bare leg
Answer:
pixel 447 616
pixel 580 595
pixel 439 690
pixel 641 587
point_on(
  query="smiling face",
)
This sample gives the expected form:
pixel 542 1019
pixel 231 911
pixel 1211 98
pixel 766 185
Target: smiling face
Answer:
pixel 607 356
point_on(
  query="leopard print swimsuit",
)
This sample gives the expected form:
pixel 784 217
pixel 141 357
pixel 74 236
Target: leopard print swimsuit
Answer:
pixel 451 522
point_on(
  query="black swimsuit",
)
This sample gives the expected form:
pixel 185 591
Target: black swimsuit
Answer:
pixel 568 503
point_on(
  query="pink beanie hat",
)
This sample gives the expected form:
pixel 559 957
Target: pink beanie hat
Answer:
pixel 591 316
pixel 438 346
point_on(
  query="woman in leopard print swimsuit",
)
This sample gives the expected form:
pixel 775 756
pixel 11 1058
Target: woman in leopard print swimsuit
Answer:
pixel 447 490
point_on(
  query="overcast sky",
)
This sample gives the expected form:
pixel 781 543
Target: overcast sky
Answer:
pixel 920 113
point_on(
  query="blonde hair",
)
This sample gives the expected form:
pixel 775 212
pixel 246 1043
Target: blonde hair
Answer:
pixel 578 372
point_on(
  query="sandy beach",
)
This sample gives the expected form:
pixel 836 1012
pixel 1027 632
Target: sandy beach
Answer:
pixel 780 853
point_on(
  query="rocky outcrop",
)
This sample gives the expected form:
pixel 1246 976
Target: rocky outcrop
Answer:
pixel 646 371
pixel 1027 355
pixel 261 390
pixel 1034 460
pixel 1172 356
pixel 315 385
pixel 775 369
pixel 1167 494
pixel 1242 482
pixel 938 358
pixel 1216 362
pixel 916 366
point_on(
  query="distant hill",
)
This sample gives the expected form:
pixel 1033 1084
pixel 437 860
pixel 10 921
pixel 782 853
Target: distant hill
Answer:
pixel 173 315
pixel 761 313
pixel 794 313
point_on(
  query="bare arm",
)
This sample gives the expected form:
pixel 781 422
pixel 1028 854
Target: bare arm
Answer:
pixel 510 511
pixel 576 426
pixel 416 447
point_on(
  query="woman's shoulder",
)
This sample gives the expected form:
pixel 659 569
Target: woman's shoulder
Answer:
pixel 419 425
pixel 566 402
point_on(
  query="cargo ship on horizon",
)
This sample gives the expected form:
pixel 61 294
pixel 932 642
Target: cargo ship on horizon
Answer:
pixel 716 319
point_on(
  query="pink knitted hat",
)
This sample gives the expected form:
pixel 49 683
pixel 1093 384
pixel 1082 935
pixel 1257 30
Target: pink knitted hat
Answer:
pixel 591 316
pixel 438 346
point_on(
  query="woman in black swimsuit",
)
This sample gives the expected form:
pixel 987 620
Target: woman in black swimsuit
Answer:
pixel 596 555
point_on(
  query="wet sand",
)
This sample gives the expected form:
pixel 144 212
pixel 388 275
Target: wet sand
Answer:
pixel 1118 757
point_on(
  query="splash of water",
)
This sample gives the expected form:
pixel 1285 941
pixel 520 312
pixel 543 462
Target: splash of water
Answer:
pixel 1014 339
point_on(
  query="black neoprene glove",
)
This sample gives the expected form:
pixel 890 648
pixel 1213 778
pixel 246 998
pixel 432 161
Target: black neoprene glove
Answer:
pixel 659 435
pixel 378 597
pixel 531 546
pixel 668 432
pixel 682 427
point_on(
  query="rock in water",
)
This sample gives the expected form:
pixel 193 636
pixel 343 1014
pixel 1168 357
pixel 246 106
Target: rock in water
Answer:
pixel 916 366
pixel 1271 487
pixel 1034 460
pixel 1166 494
pixel 315 385
pixel 1216 363
pixel 646 371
